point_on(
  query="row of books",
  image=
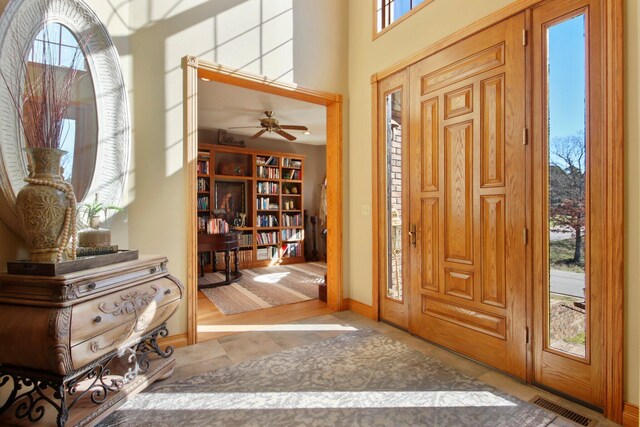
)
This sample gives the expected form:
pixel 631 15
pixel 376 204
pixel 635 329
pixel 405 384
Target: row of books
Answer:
pixel 289 220
pixel 291 163
pixel 291 250
pixel 203 166
pixel 267 160
pixel 291 174
pixel 264 203
pixel 267 238
pixel 203 184
pixel 243 256
pixel 203 203
pixel 246 239
pixel 292 235
pixel 270 252
pixel 267 172
pixel 267 221
pixel 268 188
pixel 212 225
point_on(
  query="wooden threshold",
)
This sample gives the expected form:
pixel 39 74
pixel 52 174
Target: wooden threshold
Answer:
pixel 210 315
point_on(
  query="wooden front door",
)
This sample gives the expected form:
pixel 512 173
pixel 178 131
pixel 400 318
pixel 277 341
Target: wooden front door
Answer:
pixel 467 198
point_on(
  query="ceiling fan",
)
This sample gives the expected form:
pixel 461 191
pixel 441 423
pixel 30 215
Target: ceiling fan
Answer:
pixel 271 124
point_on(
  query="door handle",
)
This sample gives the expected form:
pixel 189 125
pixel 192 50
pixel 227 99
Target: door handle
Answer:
pixel 412 236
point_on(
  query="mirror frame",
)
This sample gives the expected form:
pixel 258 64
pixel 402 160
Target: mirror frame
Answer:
pixel 20 22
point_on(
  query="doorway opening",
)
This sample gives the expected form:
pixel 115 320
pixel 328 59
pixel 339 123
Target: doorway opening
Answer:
pixel 265 185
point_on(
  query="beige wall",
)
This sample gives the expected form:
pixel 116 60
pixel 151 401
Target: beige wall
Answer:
pixel 290 40
pixel 427 26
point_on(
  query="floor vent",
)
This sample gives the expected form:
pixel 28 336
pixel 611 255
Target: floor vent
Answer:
pixel 563 412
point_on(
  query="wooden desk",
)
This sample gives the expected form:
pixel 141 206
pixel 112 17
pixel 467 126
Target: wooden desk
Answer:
pixel 224 242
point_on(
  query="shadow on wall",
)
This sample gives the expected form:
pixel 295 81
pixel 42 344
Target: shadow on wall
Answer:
pixel 255 36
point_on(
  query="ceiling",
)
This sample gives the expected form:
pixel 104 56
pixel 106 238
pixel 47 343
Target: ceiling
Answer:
pixel 222 106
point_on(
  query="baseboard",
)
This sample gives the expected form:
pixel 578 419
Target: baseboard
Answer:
pixel 360 308
pixel 178 340
pixel 630 415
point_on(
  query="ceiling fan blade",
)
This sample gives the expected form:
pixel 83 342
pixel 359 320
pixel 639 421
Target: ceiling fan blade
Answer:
pixel 258 134
pixel 245 127
pixel 286 135
pixel 294 127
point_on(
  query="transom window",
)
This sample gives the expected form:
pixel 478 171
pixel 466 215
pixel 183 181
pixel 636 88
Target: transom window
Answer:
pixel 389 11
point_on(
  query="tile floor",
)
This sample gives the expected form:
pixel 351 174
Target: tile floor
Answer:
pixel 233 349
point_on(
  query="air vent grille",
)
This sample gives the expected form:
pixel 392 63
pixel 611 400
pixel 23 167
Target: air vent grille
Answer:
pixel 563 412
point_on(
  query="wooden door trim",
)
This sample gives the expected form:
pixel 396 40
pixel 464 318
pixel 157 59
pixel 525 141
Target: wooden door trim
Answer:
pixel 195 68
pixel 614 131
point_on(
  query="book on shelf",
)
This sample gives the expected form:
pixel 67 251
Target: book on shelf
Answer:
pixel 267 221
pixel 292 235
pixel 203 184
pixel 267 238
pixel 267 188
pixel 212 225
pixel 290 250
pixel 289 220
pixel 203 166
pixel 291 174
pixel 264 203
pixel 291 163
pixel 246 239
pixel 268 172
pixel 270 252
pixel 203 203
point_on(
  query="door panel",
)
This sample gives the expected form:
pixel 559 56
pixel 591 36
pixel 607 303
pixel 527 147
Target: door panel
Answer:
pixel 468 197
pixel 569 181
pixel 392 159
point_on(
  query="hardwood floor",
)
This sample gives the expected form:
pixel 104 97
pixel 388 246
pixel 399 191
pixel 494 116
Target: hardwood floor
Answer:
pixel 212 324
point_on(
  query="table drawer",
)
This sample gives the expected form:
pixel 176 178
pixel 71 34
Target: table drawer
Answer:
pixel 121 336
pixel 95 317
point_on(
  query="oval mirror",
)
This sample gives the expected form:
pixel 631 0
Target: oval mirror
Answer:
pixel 96 131
pixel 56 45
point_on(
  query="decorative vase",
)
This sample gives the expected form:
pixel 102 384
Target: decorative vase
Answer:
pixel 46 206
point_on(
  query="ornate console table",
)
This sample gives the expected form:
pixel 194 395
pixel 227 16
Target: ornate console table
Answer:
pixel 75 347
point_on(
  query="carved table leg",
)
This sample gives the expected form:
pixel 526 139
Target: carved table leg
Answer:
pixel 235 252
pixel 213 261
pixel 227 266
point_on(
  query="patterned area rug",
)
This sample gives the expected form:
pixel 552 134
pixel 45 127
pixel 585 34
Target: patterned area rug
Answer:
pixel 361 378
pixel 266 287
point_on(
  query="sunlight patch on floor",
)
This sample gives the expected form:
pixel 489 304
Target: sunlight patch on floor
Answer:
pixel 271 277
pixel 317 400
pixel 290 327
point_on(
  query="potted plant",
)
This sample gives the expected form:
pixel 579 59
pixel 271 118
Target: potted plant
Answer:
pixel 94 236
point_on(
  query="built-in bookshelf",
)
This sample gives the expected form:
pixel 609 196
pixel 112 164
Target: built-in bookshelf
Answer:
pixel 258 193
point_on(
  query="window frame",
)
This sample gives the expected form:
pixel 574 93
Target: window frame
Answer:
pixel 383 30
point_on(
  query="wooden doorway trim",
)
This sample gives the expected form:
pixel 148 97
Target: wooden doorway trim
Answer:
pixel 614 131
pixel 195 68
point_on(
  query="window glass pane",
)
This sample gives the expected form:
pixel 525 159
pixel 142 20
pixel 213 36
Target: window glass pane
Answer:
pixel 388 11
pixel 68 38
pixel 566 88
pixel 393 103
pixel 68 137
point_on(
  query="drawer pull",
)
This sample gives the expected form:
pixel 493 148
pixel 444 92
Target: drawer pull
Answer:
pixel 153 270
pixel 91 286
pixel 97 319
pixel 167 291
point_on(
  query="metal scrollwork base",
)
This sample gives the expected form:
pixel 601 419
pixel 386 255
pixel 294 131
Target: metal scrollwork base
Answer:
pixel 32 393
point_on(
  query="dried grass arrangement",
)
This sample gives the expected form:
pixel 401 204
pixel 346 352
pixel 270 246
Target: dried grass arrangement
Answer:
pixel 46 92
